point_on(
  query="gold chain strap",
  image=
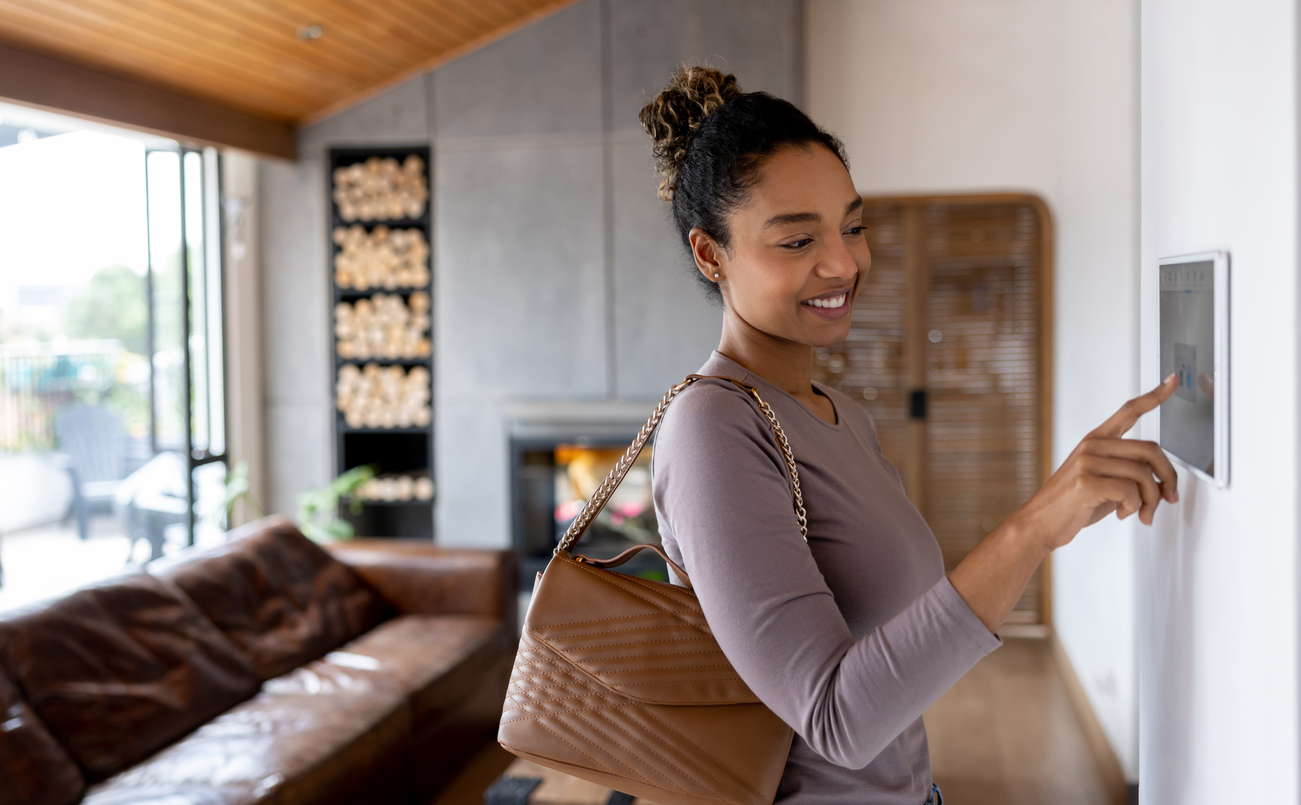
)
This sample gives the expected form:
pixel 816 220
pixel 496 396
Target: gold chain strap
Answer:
pixel 790 463
pixel 603 492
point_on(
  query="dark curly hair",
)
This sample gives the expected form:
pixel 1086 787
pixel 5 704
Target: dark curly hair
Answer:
pixel 709 140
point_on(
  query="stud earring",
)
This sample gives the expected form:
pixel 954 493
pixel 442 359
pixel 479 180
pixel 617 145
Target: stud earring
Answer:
pixel 715 276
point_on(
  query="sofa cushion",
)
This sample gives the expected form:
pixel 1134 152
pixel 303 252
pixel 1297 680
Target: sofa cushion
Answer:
pixel 276 748
pixel 277 595
pixel 436 661
pixel 120 669
pixel 420 578
pixel 37 771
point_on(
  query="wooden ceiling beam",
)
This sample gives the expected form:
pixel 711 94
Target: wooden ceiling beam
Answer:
pixel 40 80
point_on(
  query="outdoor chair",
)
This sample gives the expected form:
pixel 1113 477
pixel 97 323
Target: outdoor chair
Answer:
pixel 151 499
pixel 94 440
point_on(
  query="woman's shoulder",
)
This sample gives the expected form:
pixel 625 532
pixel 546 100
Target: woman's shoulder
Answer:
pixel 711 414
pixel 713 430
pixel 710 402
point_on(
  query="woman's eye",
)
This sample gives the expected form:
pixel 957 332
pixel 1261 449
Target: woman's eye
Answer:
pixel 855 230
pixel 799 244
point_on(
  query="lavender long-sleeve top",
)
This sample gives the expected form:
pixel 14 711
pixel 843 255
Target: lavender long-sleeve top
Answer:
pixel 848 639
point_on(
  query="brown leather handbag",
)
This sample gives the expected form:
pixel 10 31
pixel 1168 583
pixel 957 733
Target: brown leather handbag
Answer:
pixel 619 680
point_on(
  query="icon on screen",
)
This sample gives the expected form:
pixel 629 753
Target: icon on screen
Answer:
pixel 1185 360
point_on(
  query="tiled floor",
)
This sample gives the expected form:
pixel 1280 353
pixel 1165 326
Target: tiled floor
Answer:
pixel 1004 735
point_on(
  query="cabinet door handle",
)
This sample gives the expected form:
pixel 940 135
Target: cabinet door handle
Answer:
pixel 917 404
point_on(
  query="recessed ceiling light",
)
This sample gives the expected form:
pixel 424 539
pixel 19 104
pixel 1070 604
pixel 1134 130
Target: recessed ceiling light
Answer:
pixel 309 33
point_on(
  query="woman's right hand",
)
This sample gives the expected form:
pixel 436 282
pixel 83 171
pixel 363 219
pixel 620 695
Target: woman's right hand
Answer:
pixel 1105 473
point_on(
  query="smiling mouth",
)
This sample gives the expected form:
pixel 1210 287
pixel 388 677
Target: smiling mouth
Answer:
pixel 830 302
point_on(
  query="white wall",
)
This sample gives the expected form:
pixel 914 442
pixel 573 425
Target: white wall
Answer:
pixel 1217 578
pixel 937 96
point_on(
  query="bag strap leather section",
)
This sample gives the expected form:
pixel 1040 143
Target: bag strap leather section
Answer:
pixel 603 492
pixel 615 561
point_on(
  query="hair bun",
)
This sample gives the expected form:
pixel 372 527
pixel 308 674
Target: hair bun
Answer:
pixel 675 115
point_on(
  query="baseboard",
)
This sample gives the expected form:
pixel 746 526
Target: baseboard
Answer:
pixel 1104 757
pixel 1035 631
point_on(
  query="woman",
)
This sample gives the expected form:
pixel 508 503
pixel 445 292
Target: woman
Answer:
pixel 847 638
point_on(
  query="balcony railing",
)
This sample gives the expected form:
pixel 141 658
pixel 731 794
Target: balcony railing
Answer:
pixel 39 380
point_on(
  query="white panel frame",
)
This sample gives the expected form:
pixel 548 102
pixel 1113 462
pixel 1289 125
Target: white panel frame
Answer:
pixel 1220 260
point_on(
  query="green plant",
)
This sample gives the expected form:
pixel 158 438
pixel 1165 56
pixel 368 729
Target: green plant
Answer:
pixel 318 509
pixel 236 487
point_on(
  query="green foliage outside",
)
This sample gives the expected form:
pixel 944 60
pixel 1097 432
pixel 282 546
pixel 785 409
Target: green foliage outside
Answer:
pixel 112 305
pixel 115 305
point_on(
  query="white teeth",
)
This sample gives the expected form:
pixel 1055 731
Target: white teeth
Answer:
pixel 833 302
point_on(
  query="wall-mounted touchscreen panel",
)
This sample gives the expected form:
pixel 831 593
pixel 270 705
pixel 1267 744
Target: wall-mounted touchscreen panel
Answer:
pixel 1194 347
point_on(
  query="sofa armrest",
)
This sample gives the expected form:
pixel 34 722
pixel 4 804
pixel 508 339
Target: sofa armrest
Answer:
pixel 420 578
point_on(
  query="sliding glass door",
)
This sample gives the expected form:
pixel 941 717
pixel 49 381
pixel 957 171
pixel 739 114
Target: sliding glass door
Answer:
pixel 186 341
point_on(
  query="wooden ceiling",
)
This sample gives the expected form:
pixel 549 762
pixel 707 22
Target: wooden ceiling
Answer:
pixel 256 60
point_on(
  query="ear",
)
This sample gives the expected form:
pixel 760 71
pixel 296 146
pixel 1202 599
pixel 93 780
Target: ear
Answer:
pixel 709 256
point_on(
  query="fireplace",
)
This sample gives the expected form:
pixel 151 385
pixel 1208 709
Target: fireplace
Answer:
pixel 553 475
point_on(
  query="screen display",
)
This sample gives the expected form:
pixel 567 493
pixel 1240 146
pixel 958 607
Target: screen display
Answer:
pixel 1188 351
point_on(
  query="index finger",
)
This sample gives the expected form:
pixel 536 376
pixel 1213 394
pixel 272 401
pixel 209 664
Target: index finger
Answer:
pixel 1120 422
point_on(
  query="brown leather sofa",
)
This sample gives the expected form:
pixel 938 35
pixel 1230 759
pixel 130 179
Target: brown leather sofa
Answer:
pixel 267 670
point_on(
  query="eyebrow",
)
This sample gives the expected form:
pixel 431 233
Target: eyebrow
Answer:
pixel 806 217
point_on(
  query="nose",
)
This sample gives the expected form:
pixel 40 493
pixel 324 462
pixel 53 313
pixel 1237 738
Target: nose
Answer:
pixel 837 263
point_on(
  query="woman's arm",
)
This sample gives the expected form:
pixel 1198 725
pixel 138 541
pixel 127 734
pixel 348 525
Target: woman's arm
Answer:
pixel 723 494
pixel 1104 473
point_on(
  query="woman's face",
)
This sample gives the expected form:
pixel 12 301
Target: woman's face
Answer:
pixel 797 252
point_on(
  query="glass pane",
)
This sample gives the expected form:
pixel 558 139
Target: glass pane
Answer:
pixel 74 358
pixel 214 315
pixel 210 503
pixel 194 242
pixel 164 184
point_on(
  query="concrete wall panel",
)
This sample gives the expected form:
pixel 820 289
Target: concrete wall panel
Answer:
pixel 521 280
pixel 664 326
pixel 758 40
pixel 545 79
pixel 399 116
pixel 299 452
pixel 472 468
pixel 295 284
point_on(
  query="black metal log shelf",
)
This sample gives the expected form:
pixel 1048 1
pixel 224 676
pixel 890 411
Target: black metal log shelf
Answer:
pixel 391 223
pixel 390 450
pixel 352 294
pixel 389 361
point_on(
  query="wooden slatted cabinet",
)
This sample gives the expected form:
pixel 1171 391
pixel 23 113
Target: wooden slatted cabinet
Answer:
pixel 950 351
